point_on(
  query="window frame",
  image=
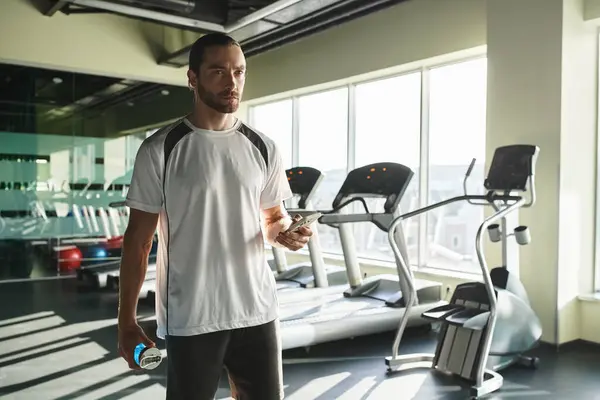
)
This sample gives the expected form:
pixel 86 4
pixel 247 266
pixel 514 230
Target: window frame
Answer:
pixel 424 68
pixel 596 277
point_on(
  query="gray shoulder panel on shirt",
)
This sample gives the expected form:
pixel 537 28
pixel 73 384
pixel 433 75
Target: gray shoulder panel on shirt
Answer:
pixel 256 140
pixel 172 138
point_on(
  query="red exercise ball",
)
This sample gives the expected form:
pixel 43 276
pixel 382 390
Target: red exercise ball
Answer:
pixel 69 258
pixel 115 242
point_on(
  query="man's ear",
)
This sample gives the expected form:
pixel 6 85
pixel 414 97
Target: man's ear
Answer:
pixel 192 80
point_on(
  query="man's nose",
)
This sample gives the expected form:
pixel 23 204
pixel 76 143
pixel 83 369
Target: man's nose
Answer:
pixel 230 80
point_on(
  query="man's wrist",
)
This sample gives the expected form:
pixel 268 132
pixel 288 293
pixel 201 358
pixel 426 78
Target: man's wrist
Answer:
pixel 274 228
pixel 126 317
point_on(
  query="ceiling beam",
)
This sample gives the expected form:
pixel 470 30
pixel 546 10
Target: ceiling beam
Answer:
pixel 183 21
pixel 311 23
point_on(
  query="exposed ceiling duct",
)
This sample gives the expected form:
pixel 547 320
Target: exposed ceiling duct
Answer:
pixel 179 6
pixel 185 21
pixel 259 25
pixel 292 23
pixel 312 23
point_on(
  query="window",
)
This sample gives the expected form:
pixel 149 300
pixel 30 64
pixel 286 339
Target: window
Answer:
pixel 457 124
pixel 388 128
pixel 443 108
pixel 322 144
pixel 275 121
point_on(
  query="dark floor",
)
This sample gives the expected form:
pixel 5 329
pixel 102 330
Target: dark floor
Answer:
pixel 59 343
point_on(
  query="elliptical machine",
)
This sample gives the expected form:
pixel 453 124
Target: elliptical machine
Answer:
pixel 487 326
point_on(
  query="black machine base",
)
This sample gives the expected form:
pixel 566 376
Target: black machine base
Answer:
pixel 387 289
pixel 304 277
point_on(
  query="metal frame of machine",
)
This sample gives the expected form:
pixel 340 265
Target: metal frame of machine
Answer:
pixel 482 318
pixel 304 182
pixel 375 304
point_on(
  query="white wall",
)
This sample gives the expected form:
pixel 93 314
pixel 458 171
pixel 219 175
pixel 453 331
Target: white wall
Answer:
pixel 577 167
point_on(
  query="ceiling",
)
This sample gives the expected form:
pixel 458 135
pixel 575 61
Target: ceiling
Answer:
pixel 33 100
pixel 259 25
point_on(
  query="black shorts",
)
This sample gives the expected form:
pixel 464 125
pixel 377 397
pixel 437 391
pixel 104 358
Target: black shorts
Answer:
pixel 250 356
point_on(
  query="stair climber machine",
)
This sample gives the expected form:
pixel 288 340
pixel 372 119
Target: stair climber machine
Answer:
pixel 487 326
pixel 375 304
pixel 304 182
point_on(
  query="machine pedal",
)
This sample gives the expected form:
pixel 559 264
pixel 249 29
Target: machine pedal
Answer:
pixel 470 318
pixel 440 313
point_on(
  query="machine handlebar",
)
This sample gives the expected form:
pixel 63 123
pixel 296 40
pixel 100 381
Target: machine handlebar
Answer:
pixel 470 169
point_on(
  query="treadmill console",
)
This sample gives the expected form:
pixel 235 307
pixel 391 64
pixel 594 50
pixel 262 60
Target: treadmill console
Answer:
pixel 385 180
pixel 511 167
pixel 303 182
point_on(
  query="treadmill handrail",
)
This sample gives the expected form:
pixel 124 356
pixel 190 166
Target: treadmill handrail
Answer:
pixel 345 218
pixel 380 220
pixel 336 210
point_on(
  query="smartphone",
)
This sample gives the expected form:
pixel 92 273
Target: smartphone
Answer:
pixel 307 220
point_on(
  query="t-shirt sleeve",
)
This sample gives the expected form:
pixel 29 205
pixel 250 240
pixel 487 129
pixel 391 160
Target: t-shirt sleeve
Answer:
pixel 145 191
pixel 277 188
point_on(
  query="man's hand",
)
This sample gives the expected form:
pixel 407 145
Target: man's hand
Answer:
pixel 130 335
pixel 276 222
pixel 297 239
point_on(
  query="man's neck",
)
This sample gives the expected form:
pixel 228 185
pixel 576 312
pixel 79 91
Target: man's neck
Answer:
pixel 212 120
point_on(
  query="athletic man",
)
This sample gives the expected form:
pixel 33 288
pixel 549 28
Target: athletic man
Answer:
pixel 208 180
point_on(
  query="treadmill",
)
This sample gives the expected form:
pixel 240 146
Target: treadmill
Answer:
pixel 106 275
pixel 304 182
pixel 367 306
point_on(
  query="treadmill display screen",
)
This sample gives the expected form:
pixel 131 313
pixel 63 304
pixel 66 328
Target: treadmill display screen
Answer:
pixel 511 167
pixel 303 181
pixel 383 180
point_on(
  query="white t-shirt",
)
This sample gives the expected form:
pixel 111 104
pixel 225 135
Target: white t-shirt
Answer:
pixel 212 272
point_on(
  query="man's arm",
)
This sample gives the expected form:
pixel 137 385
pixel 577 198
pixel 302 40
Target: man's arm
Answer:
pixel 137 243
pixel 276 222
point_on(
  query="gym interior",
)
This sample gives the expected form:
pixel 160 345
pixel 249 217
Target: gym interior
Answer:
pixel 450 89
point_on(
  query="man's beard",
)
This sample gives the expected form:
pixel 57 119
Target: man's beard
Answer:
pixel 215 101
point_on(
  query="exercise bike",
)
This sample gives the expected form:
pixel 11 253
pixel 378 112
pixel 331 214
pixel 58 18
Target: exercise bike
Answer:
pixel 487 326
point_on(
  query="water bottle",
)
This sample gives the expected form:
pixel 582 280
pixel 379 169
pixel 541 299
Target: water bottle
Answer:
pixel 147 357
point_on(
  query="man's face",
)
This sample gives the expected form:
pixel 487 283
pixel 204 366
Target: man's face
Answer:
pixel 220 81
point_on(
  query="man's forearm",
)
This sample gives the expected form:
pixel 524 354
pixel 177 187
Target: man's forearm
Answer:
pixel 276 225
pixel 134 263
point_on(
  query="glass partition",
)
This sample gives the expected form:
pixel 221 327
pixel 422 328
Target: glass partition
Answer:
pixel 67 147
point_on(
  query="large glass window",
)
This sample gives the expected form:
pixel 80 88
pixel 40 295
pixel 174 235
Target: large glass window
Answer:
pixel 457 125
pixel 388 128
pixel 322 144
pixel 275 121
pixel 443 108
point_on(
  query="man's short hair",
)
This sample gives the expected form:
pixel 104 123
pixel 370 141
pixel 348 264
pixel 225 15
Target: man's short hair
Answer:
pixel 199 47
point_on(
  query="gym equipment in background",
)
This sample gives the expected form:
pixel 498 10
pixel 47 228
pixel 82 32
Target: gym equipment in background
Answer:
pixel 304 182
pixel 487 326
pixel 106 274
pixel 375 304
